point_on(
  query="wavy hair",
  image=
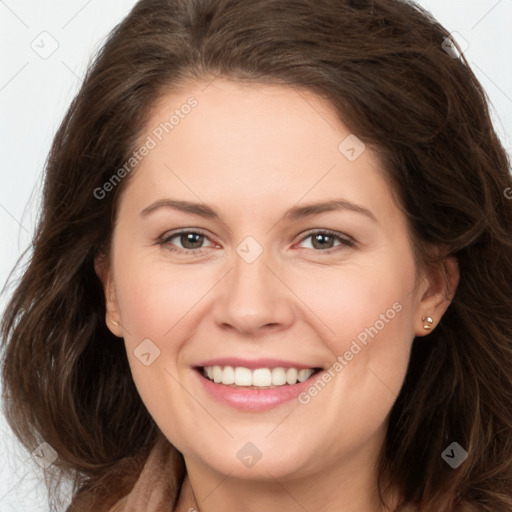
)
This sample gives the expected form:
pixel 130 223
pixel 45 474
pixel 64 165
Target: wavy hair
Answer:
pixel 384 67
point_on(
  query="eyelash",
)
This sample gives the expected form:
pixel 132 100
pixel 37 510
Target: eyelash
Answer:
pixel 345 241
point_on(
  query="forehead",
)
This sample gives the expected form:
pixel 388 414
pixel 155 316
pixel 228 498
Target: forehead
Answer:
pixel 227 142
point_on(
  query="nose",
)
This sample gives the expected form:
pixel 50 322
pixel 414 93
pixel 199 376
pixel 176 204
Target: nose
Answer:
pixel 254 298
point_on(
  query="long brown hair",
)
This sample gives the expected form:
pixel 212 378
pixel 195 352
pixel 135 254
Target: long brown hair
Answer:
pixel 383 66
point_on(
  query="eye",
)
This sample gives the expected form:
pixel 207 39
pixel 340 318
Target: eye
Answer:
pixel 190 240
pixel 323 239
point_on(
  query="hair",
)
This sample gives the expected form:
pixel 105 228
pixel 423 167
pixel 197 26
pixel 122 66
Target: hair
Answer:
pixel 383 67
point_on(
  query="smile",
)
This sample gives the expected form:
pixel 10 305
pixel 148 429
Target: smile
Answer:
pixel 253 390
pixel 258 378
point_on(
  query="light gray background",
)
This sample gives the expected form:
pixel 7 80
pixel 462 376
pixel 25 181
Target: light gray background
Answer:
pixel 35 92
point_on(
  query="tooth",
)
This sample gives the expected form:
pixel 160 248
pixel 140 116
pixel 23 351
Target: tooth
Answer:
pixel 243 376
pixel 261 377
pixel 217 374
pixel 291 376
pixel 278 377
pixel 228 375
pixel 304 374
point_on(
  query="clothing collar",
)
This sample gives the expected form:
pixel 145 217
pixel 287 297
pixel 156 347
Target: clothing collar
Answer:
pixel 159 484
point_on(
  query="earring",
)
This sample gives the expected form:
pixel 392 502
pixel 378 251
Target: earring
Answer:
pixel 427 322
pixel 115 322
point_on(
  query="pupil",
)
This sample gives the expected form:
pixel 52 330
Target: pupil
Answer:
pixel 188 237
pixel 320 237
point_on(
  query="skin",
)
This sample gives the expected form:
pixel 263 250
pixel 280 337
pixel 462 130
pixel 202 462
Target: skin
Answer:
pixel 251 152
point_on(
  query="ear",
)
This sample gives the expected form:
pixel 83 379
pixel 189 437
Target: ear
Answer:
pixel 440 285
pixel 112 316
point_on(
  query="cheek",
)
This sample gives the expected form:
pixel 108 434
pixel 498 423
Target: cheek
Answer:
pixel 155 297
pixel 361 302
pixel 367 315
pixel 370 315
pixel 157 305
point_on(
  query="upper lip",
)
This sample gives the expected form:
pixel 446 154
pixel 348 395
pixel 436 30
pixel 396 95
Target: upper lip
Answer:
pixel 254 363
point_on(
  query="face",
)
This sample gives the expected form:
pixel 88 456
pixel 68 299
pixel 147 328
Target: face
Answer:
pixel 258 275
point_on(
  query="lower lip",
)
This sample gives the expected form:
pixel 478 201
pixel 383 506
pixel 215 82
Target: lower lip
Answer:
pixel 254 400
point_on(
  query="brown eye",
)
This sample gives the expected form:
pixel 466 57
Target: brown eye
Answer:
pixel 190 241
pixel 323 240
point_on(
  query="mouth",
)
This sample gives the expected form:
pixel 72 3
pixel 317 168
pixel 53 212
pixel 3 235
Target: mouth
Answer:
pixel 257 378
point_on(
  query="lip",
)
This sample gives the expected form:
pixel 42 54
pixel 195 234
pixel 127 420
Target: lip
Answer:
pixel 254 363
pixel 253 400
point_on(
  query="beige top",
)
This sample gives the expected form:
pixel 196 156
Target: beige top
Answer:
pixel 160 483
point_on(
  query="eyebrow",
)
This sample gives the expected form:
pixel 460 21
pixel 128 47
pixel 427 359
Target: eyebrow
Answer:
pixel 293 214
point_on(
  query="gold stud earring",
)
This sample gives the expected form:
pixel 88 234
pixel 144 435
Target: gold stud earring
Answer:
pixel 427 322
pixel 115 322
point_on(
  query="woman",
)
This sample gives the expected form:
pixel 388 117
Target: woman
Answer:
pixel 182 337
